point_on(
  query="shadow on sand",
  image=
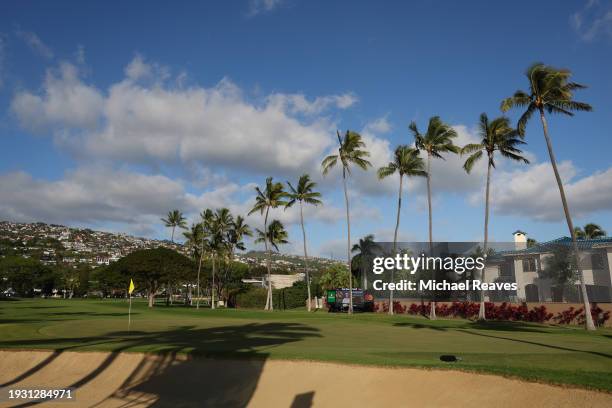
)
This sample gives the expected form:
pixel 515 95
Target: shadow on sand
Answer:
pixel 178 375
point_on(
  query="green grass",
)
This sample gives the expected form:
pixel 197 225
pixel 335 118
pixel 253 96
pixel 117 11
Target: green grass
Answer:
pixel 561 355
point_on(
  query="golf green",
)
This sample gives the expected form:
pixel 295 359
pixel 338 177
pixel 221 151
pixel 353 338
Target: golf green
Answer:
pixel 554 354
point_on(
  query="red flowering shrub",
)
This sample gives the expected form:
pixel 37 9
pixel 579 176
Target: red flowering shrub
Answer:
pixel 503 311
pixel 599 316
pixel 567 316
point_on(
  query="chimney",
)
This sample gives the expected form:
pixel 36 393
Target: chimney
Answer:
pixel 520 240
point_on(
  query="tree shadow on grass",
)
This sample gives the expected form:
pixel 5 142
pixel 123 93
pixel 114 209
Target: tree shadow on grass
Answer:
pixel 420 326
pixel 535 343
pixel 439 325
pixel 507 325
pixel 177 375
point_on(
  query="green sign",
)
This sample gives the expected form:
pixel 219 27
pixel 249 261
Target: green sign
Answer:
pixel 331 296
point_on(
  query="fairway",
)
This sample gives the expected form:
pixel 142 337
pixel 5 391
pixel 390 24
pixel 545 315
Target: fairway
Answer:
pixel 562 355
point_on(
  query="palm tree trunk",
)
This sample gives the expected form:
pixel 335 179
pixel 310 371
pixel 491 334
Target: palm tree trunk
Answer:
pixel 348 242
pixel 397 222
pixel 432 311
pixel 482 315
pixel 269 303
pixel 172 239
pixel 199 269
pixel 305 257
pixel 212 291
pixel 585 298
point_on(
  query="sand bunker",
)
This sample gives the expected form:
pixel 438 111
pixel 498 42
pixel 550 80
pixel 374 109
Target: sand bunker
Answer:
pixel 139 380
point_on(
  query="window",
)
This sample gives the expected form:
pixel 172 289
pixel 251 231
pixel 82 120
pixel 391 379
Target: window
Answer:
pixel 529 265
pixel 597 261
pixel 506 270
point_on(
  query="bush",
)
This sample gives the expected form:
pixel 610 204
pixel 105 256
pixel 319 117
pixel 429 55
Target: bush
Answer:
pixel 291 298
pixel 469 310
pixel 286 298
pixel 252 298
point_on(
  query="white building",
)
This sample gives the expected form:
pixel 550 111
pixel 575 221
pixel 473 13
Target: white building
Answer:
pixel 523 265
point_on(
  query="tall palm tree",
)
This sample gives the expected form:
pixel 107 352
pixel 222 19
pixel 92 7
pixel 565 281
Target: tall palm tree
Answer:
pixel 351 151
pixel 437 140
pixel 406 162
pixel 550 90
pixel 304 193
pixel 195 241
pixel 206 222
pixel 238 231
pixel 364 250
pixel 496 135
pixel 222 223
pixel 175 219
pixel 276 235
pixel 271 196
pixel 590 231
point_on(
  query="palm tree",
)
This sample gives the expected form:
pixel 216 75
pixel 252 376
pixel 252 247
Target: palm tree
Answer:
pixel 550 90
pixel 496 135
pixel 437 140
pixel 272 196
pixel 406 162
pixel 175 219
pixel 590 231
pixel 238 231
pixel 195 241
pixel 222 223
pixel 364 250
pixel 351 151
pixel 276 235
pixel 206 241
pixel 303 193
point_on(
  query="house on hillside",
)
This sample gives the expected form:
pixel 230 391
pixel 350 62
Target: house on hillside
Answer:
pixel 524 264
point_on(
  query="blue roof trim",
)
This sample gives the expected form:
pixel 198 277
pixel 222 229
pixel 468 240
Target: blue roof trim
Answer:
pixel 583 244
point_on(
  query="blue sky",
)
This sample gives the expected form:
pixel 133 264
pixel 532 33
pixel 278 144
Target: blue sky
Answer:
pixel 112 113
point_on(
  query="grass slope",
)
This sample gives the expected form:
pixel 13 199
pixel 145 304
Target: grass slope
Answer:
pixel 562 355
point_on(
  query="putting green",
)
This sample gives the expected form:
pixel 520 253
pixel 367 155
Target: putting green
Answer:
pixel 562 355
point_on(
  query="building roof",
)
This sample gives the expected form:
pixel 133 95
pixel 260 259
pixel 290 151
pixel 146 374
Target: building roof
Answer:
pixel 543 247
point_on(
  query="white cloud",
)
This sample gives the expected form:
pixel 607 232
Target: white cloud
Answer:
pixel 127 200
pixel 138 68
pixel 35 43
pixel 88 195
pixel 593 20
pixel 447 175
pixel 263 6
pixel 532 192
pixel 65 102
pixel 298 104
pixel 156 123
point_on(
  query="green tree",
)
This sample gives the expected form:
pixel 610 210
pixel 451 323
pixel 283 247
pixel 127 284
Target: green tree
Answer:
pixel 174 219
pixel 272 196
pixel 364 252
pixel 406 162
pixel 550 90
pixel 149 268
pixel 24 275
pixel 222 224
pixel 335 276
pixel 304 193
pixel 196 242
pixel 560 267
pixel 276 235
pixel 351 151
pixel 495 136
pixel 590 231
pixel 437 140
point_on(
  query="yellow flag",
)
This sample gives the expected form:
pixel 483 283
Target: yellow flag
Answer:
pixel 131 289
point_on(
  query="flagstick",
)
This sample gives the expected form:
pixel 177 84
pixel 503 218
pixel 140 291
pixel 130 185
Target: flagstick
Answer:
pixel 130 313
